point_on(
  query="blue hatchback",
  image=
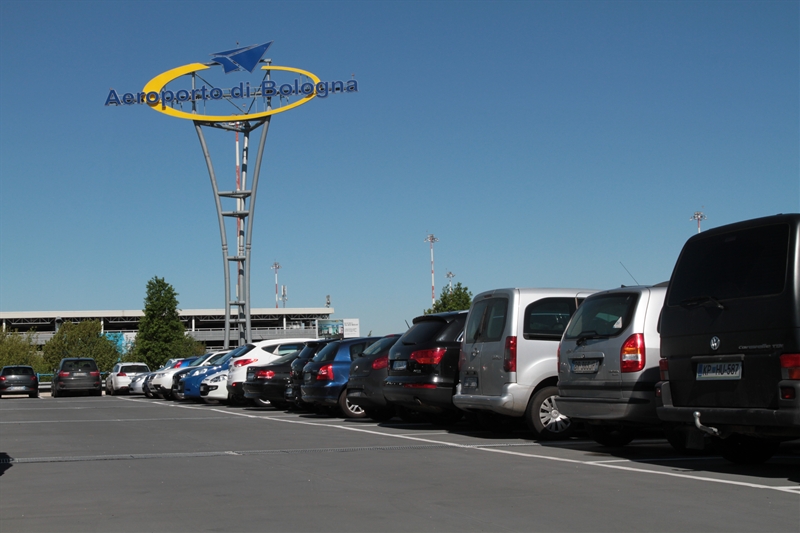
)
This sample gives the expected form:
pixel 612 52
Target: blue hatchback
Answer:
pixel 325 377
pixel 192 381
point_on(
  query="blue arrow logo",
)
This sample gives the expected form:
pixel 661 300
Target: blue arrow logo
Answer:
pixel 245 58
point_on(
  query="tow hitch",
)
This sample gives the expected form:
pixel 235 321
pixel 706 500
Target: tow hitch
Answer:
pixel 714 432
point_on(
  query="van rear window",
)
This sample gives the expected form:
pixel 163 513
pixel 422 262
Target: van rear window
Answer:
pixel 737 264
pixel 604 316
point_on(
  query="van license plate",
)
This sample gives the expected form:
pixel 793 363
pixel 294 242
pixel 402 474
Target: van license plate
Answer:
pixel 585 367
pixel 709 371
pixel 470 382
pixel 399 365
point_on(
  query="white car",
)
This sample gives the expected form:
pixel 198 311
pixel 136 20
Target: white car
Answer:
pixel 161 383
pixel 263 353
pixel 136 385
pixel 213 389
pixel 119 379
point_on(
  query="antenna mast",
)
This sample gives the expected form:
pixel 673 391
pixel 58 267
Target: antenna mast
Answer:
pixel 450 277
pixel 276 266
pixel 698 216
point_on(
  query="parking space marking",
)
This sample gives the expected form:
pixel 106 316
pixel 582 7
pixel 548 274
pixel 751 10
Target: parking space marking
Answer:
pixel 105 420
pixel 795 490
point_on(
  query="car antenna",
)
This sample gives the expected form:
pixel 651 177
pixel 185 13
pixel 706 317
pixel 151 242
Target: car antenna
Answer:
pixel 406 321
pixel 629 273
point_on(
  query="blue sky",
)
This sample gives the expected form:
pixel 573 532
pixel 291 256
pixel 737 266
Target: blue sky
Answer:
pixel 543 143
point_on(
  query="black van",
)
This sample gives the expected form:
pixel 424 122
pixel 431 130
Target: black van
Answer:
pixel 730 339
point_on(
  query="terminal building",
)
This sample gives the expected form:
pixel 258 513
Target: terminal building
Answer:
pixel 205 325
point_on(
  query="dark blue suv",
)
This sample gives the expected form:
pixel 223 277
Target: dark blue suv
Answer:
pixel 325 377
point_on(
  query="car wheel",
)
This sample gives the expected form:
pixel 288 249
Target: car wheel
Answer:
pixel 380 415
pixel 350 410
pixel 53 391
pixel 167 395
pixel 147 393
pixel 544 418
pixel 746 450
pixel 110 390
pixel 177 396
pixel 610 435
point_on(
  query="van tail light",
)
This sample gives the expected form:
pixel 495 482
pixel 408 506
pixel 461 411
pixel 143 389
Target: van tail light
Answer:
pixel 790 366
pixel 95 373
pixel 122 375
pixel 510 355
pixel 325 373
pixel 663 368
pixel 631 355
pixel 558 359
pixel 265 374
pixel 428 357
pixel 380 362
pixel 244 362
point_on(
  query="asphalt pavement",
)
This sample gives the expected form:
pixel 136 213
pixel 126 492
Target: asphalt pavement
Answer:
pixel 127 463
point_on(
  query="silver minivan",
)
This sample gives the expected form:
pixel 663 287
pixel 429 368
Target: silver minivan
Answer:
pixel 608 363
pixel 507 365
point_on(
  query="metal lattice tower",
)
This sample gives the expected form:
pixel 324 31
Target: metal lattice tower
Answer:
pixel 698 216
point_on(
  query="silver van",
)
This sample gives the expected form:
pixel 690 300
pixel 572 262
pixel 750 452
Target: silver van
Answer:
pixel 608 363
pixel 507 365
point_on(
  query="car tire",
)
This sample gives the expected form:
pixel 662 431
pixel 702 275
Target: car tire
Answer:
pixel 543 417
pixel 746 450
pixel 350 410
pixel 610 435
pixel 167 395
pixel 110 390
pixel 147 393
pixel 53 391
pixel 380 415
pixel 177 396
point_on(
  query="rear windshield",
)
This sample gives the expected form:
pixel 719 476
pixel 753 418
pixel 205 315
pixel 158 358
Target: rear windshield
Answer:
pixel 133 369
pixel 605 316
pixel 434 330
pixel 328 353
pixel 737 264
pixel 18 371
pixel 284 349
pixel 79 364
pixel 288 358
pixel 382 345
pixel 487 320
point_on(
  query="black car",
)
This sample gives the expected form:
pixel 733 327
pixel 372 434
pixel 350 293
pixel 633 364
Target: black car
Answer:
pixel 367 372
pixel 293 394
pixel 423 366
pixel 730 340
pixel 19 379
pixel 267 383
pixel 76 374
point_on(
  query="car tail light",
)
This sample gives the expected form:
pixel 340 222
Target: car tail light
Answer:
pixel 244 362
pixel 663 369
pixel 380 362
pixel 63 374
pixel 325 373
pixel 790 366
pixel 95 373
pixel 419 385
pixel 631 355
pixel 122 375
pixel 2 378
pixel 510 355
pixel 428 357
pixel 265 374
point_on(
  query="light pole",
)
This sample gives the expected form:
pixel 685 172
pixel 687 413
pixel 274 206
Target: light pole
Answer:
pixel 276 266
pixel 698 216
pixel 432 239
pixel 450 277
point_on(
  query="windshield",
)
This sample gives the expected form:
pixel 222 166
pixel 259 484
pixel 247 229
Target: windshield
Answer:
pixel 218 359
pixel 328 353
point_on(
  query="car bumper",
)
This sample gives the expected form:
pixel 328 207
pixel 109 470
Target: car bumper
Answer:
pixel 325 395
pixel 512 401
pixel 420 395
pixel 640 409
pixel 19 389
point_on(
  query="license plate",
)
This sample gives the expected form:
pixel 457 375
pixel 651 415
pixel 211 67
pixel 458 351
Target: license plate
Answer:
pixel 307 377
pixel 709 371
pixel 399 365
pixel 251 376
pixel 80 374
pixel 15 388
pixel 471 382
pixel 585 367
pixel 288 391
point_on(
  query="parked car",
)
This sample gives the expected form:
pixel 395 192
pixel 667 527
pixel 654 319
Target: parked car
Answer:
pixel 266 385
pixel 293 393
pixel 730 339
pixel 264 352
pixel 508 357
pixel 191 381
pixel 177 377
pixel 76 374
pixel 161 382
pixel 19 379
pixel 325 376
pixel 136 386
pixel 119 379
pixel 213 388
pixel 367 373
pixel 423 367
pixel 608 363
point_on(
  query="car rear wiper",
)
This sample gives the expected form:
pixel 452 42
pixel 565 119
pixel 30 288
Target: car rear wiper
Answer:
pixel 699 300
pixel 586 335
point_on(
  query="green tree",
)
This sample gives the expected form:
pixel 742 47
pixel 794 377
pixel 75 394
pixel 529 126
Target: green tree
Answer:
pixel 84 339
pixel 161 334
pixel 20 349
pixel 457 300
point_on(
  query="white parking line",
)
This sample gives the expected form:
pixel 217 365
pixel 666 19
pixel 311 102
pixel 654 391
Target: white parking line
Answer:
pixel 787 490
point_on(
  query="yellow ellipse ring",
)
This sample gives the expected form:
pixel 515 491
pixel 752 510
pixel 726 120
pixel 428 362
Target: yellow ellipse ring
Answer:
pixel 159 82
